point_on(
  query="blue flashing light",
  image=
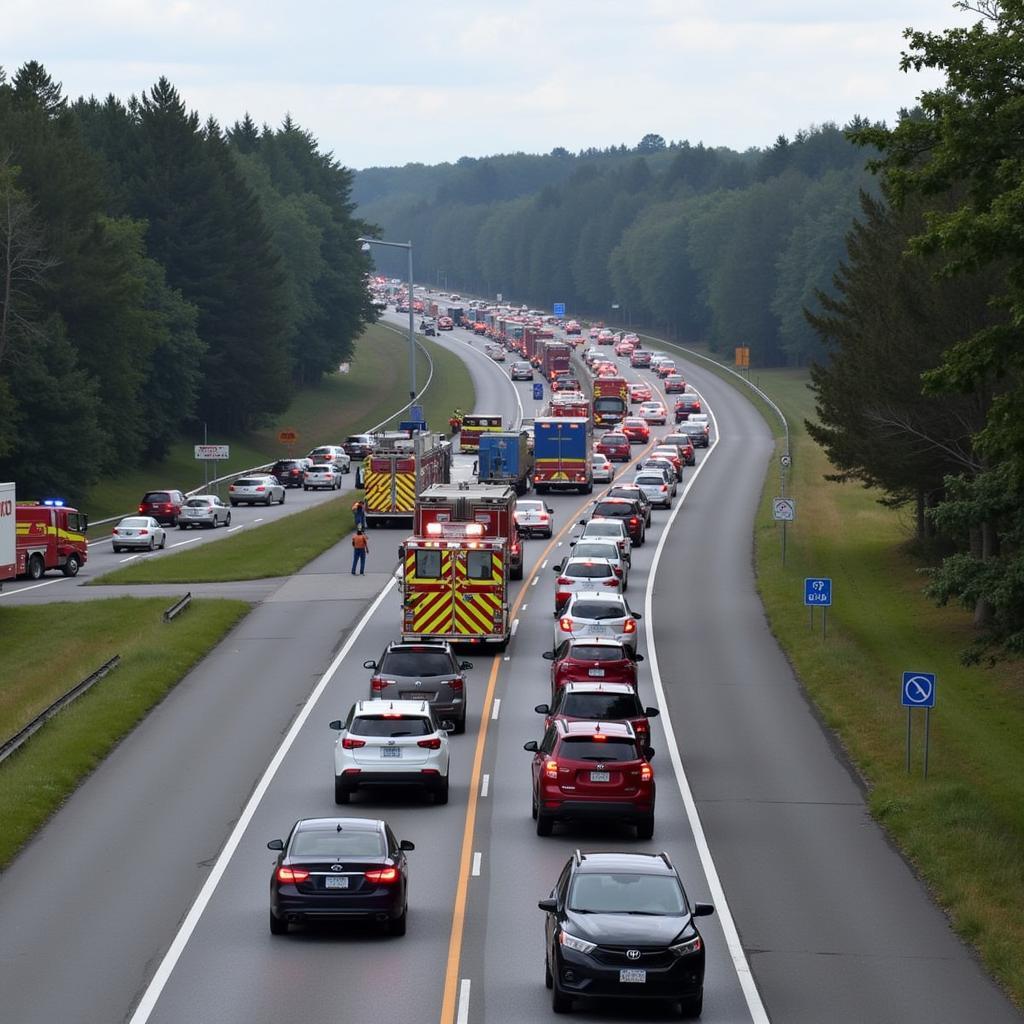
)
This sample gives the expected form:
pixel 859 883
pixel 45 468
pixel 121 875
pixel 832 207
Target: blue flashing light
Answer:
pixel 54 502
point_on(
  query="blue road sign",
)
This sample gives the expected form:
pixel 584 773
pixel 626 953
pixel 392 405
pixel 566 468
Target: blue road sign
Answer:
pixel 559 309
pixel 538 391
pixel 416 412
pixel 918 690
pixel 818 591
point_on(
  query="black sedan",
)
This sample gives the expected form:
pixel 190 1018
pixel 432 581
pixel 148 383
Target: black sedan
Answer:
pixel 619 925
pixel 339 869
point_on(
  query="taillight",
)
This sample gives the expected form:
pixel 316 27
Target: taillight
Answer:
pixel 431 744
pixel 629 626
pixel 613 582
pixel 543 517
pixel 292 874
pixel 563 581
pixel 348 743
pixel 456 683
pixel 633 521
pixel 142 533
pixel 385 876
pixel 663 487
pixel 261 488
pixel 551 769
pixel 565 623
pixel 142 508
pixel 646 773
pixel 618 570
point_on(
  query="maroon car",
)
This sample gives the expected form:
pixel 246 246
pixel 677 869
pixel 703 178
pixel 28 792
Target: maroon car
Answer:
pixel 163 506
pixel 614 446
pixel 595 660
pixel 596 701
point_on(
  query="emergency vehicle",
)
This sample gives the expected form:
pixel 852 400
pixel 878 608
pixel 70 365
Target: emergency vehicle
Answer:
pixel 390 480
pixel 473 425
pixel 457 566
pixel 49 535
pixel 569 403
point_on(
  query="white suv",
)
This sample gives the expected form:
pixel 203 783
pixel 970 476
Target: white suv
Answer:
pixel 609 529
pixel 391 743
pixel 591 613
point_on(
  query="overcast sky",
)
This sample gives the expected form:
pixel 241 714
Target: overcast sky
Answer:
pixel 398 81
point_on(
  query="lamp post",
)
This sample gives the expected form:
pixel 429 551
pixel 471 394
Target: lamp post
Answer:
pixel 367 242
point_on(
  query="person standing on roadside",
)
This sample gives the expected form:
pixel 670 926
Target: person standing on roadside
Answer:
pixel 360 546
pixel 359 514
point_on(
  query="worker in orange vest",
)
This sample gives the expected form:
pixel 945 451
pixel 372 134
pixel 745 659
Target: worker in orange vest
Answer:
pixel 359 513
pixel 360 546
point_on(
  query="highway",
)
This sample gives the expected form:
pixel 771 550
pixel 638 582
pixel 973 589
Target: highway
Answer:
pixel 818 918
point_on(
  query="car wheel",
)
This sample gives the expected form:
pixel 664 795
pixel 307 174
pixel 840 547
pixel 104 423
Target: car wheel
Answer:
pixel 182 526
pixel 341 792
pixel 441 793
pixel 163 542
pixel 269 501
pixel 545 823
pixel 71 566
pixel 691 1008
pixel 460 723
pixel 282 496
pixel 227 522
pixel 645 829
pixel 36 567
pixel 398 925
pixel 116 549
pixel 151 544
pixel 278 926
pixel 560 1002
pixel 304 487
pixel 548 980
pixel 533 814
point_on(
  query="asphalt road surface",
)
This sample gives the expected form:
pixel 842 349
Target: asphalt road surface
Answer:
pixel 754 804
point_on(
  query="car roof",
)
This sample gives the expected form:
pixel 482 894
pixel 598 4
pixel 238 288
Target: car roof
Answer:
pixel 419 645
pixel 595 687
pixel 597 595
pixel 597 641
pixel 346 825
pixel 640 863
pixel 614 730
pixel 587 560
pixel 603 519
pixel 398 707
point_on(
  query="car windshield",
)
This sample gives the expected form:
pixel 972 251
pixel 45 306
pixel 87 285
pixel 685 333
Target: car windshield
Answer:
pixel 133 523
pixel 588 570
pixel 601 706
pixel 597 610
pixel 626 893
pixel 586 748
pixel 596 652
pixel 416 663
pixel 390 725
pixel 336 845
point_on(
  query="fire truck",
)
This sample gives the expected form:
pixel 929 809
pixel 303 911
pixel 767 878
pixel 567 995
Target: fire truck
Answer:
pixel 554 358
pixel 611 401
pixel 569 403
pixel 457 565
pixel 48 535
pixel 390 479
pixel 473 425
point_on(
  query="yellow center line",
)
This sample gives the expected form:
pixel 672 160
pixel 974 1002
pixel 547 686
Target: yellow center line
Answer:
pixel 451 975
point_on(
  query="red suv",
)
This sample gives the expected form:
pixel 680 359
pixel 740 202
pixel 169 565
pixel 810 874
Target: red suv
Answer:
pixel 640 357
pixel 597 660
pixel 685 446
pixel 163 506
pixel 629 511
pixel 614 446
pixel 587 771
pixel 636 430
pixel 600 702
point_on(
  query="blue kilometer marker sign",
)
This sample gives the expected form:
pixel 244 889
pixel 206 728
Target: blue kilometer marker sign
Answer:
pixel 538 391
pixel 918 690
pixel 558 309
pixel 818 592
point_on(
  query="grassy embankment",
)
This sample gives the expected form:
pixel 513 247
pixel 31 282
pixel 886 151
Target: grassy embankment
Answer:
pixel 38 778
pixel 963 827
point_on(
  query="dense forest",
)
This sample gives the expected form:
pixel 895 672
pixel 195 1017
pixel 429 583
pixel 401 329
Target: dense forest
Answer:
pixel 703 244
pixel 157 272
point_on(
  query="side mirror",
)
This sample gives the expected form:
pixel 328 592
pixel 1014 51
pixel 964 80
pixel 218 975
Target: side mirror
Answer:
pixel 335 725
pixel 531 746
pixel 583 522
pixel 406 845
pixel 548 655
pixel 572 543
pixel 636 615
pixel 278 844
pixel 639 657
pixel 465 666
pixel 401 552
pixel 447 726
pixel 542 709
pixel 550 510
pixel 649 753
pixel 549 906
pixel 651 712
pixel 703 909
pixel 557 567
pixel 371 665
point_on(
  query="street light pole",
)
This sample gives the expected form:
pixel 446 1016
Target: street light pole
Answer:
pixel 367 242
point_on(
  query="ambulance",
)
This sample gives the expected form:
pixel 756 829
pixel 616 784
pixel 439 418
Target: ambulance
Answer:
pixel 389 474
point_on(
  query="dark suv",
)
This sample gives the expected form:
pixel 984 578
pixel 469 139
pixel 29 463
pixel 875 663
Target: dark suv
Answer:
pixel 620 926
pixel 629 510
pixel 635 494
pixel 289 472
pixel 423 671
pixel 163 506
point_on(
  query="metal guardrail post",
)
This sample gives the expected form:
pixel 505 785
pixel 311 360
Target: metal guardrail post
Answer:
pixel 178 607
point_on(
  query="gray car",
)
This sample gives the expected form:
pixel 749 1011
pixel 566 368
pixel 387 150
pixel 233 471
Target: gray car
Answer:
pixel 655 486
pixel 256 490
pixel 422 671
pixel 320 477
pixel 204 510
pixel 521 371
pixel 140 532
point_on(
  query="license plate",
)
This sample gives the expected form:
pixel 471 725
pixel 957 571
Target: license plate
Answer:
pixel 331 882
pixel 600 777
pixel 628 977
pixel 595 672
pixel 390 751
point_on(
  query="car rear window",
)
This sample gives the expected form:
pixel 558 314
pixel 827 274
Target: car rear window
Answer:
pixel 612 510
pixel 602 706
pixel 336 845
pixel 604 529
pixel 416 663
pixel 653 480
pixel 583 748
pixel 588 570
pixel 134 523
pixel 249 481
pixel 198 503
pixel 596 652
pixel 615 439
pixel 598 610
pixel 156 496
pixel 390 726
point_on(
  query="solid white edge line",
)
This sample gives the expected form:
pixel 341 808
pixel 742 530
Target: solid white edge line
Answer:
pixel 35 586
pixel 758 1014
pixel 477 858
pixel 485 785
pixel 496 708
pixel 191 540
pixel 156 985
pixel 463 1014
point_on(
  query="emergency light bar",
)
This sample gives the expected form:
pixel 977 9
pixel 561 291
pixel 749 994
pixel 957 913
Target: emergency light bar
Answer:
pixel 455 529
pixel 54 502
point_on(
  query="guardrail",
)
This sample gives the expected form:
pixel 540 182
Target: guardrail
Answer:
pixel 178 607
pixel 266 465
pixel 11 745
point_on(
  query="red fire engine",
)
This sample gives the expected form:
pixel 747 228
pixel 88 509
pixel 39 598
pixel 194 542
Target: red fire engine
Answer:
pixel 50 535
pixel 473 425
pixel 389 474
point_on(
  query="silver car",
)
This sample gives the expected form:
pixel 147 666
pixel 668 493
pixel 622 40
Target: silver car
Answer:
pixel 602 469
pixel 609 529
pixel 655 486
pixel 333 453
pixel 591 613
pixel 603 549
pixel 256 490
pixel 204 510
pixel 142 532
pixel 319 477
pixel 576 574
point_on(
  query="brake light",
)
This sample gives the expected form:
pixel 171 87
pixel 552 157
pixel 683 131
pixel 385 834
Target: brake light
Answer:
pixel 261 488
pixel 663 487
pixel 142 508
pixel 613 582
pixel 285 874
pixel 646 772
pixel 456 683
pixel 565 624
pixel 563 581
pixel 618 570
pixel 384 876
pixel 633 521
pixel 629 626
pixel 142 533
pixel 543 517
pixel 377 683
pixel 432 744
pixel 551 769
pixel 600 737
pixel 348 743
